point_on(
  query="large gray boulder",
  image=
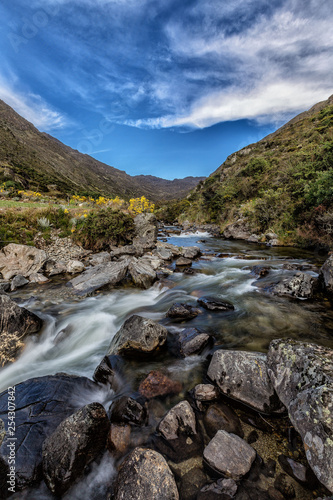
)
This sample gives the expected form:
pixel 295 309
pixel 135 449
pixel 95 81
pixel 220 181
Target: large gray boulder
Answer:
pixel 21 259
pixel 145 231
pixel 302 375
pixel 75 443
pixel 15 324
pixel 145 475
pixel 243 376
pixel 142 274
pixel 98 277
pixel 301 286
pixel 138 336
pixel 326 274
pixel 237 231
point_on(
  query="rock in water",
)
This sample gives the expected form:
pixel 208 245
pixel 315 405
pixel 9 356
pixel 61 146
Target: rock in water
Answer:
pixel 15 324
pixel 126 410
pixel 215 304
pixel 98 277
pixel 302 375
pixel 17 282
pixel 138 335
pixel 157 384
pixel 222 417
pixel 74 444
pixel 21 259
pixel 145 475
pixel 182 312
pixel 143 275
pixel 229 455
pixel 243 376
pixel 326 274
pixel 191 341
pixel 301 286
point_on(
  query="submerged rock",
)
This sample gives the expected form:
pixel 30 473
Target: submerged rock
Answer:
pixel 145 475
pixel 157 384
pixel 260 271
pixel 301 286
pixel 21 259
pixel 243 376
pixel 215 304
pixel 98 277
pixel 191 341
pixel 75 443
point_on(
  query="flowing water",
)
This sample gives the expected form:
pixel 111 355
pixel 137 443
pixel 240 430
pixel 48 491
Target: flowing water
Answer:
pixel 77 333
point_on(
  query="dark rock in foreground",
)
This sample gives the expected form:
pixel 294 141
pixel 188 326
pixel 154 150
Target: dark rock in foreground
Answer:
pixel 75 443
pixel 215 304
pixel 126 410
pixel 145 475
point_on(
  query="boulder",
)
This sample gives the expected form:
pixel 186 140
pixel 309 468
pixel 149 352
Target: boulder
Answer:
pixel 109 371
pixel 17 282
pixel 204 393
pixel 215 304
pixel 243 376
pixel 15 324
pixel 53 267
pixel 126 250
pixel 126 410
pixel 21 259
pixel 178 436
pixel 182 261
pixel 190 252
pixel 74 267
pixel 157 384
pixel 259 271
pixel 302 375
pixel 182 312
pixel 237 231
pixel 75 443
pixel 142 274
pixel 145 230
pixel 98 277
pixel 99 258
pixel 41 404
pixel 138 335
pixel 144 475
pixel 152 260
pixel 301 473
pixel 163 253
pixel 326 274
pixel 254 238
pixel 229 455
pixel 38 278
pixel 218 417
pixel 175 251
pixel 119 439
pixel 301 286
pixel 5 286
pixel 190 341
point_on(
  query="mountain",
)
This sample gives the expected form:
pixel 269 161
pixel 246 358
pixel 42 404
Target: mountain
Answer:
pixel 283 183
pixel 36 160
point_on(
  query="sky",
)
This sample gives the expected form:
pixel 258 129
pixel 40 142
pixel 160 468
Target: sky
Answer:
pixel 164 87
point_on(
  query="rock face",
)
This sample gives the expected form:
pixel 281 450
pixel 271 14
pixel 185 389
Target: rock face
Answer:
pixel 237 231
pixel 302 375
pixel 243 376
pixel 191 341
pixel 41 404
pixel 326 274
pixel 98 277
pixel 229 455
pixel 301 285
pixel 138 335
pixel 145 230
pixel 215 304
pixel 15 324
pixel 158 384
pixel 182 312
pixel 73 445
pixel 21 259
pixel 145 475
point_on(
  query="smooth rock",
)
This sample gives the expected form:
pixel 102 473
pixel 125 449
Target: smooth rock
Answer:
pixel 145 475
pixel 215 304
pixel 119 439
pixel 218 417
pixel 254 238
pixel 157 384
pixel 21 259
pixel 75 443
pixel 138 335
pixel 126 410
pixel 301 286
pixel 182 311
pixel 17 282
pixel 326 274
pixel 182 261
pixel 229 455
pixel 243 376
pixel 74 267
pixel 191 341
pixel 98 277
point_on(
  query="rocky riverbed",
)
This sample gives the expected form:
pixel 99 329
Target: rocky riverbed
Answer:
pixel 191 368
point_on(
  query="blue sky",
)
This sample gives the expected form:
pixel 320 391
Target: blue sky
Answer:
pixel 164 87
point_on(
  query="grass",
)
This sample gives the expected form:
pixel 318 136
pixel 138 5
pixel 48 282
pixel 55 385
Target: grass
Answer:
pixel 23 205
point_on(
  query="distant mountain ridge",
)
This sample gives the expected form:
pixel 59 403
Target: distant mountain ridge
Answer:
pixel 37 160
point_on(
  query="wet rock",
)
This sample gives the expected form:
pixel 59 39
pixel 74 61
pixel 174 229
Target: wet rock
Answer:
pixel 243 376
pixel 179 438
pixel 145 230
pixel 298 471
pixel 38 278
pixel 215 304
pixel 222 417
pixel 4 286
pixel 182 311
pixel 74 267
pixel 175 251
pixel 138 335
pixel 15 324
pixel 144 475
pixel 75 443
pixel 52 267
pixel 283 484
pixel 41 404
pixel 99 258
pixel 98 277
pixel 109 371
pixel 182 261
pixel 301 286
pixel 21 259
pixel 222 489
pixel 190 342
pixel 229 455
pixel 326 274
pixel 237 231
pixel 191 252
pixel 142 274
pixel 17 282
pixel 302 374
pixel 119 439
pixel 126 410
pixel 157 384
pixel 204 393
pixel 191 483
pixel 259 271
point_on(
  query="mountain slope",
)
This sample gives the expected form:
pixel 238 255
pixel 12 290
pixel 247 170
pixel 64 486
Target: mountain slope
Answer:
pixel 282 183
pixel 36 160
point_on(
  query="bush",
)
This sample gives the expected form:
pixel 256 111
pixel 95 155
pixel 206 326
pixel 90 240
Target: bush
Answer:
pixel 321 190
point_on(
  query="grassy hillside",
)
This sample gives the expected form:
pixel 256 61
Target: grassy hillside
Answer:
pixel 283 183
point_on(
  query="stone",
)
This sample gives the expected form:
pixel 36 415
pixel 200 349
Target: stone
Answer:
pixel 326 274
pixel 109 372
pixel 75 443
pixel 143 275
pixel 298 471
pixel 138 335
pixel 145 230
pixel 191 252
pixel 254 238
pixel 97 277
pixel 157 384
pixel 53 268
pixel 60 249
pixel 204 393
pixel 20 259
pixel 152 260
pixel 164 253
pixel 302 375
pixel 182 312
pixel 15 324
pixel 17 282
pixel 4 286
pixel 215 304
pixel 119 439
pixel 182 261
pixel 190 342
pixel 126 250
pixel 222 489
pixel 219 416
pixel 259 271
pixel 41 404
pixel 74 267
pixel 38 278
pixel 237 231
pixel 283 484
pixel 99 258
pixel 175 251
pixel 229 455
pixel 145 475
pixel 301 286
pixel 126 410
pixel 243 376
pixel 191 482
